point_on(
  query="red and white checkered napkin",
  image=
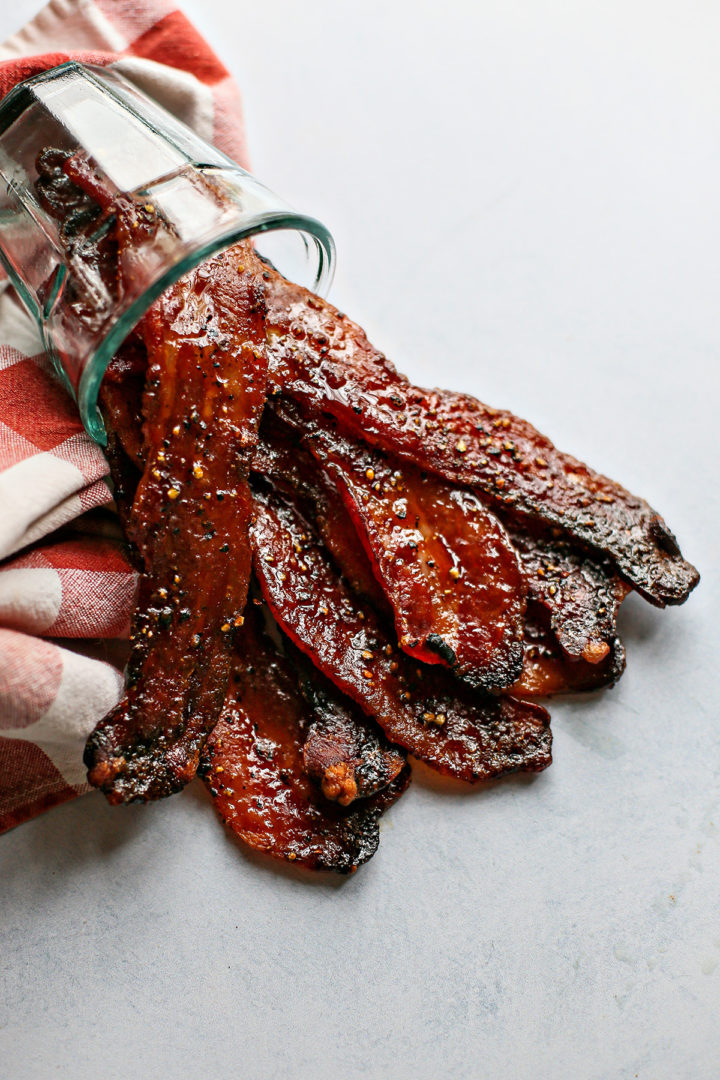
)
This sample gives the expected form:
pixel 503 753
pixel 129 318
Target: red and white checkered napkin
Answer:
pixel 66 589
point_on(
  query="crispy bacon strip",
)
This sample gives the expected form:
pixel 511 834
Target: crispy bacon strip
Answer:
pixel 444 561
pixel 252 765
pixel 548 670
pixel 121 395
pixel 421 708
pixel 281 457
pixel 121 407
pixel 324 363
pixel 135 229
pixel 62 197
pixel 581 593
pixel 344 751
pixel 125 477
pixel 190 518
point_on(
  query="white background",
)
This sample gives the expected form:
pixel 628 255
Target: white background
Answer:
pixel 525 201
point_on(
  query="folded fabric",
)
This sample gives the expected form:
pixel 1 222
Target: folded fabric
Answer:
pixel 66 588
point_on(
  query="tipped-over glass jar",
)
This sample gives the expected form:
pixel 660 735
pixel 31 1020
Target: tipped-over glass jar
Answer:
pixel 88 124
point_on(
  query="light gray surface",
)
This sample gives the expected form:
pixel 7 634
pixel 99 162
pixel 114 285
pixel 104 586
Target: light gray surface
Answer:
pixel 525 202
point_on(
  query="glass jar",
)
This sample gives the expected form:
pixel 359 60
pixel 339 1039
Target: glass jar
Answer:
pixel 135 150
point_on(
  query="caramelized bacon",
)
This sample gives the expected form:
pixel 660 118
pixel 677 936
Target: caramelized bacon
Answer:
pixel 386 517
pixel 582 594
pixel 548 670
pixel 120 398
pixel 69 191
pixel 120 238
pixel 120 404
pixel 281 457
pixel 444 561
pixel 421 708
pixel 344 751
pixel 60 196
pixel 324 363
pixel 252 765
pixel 189 523
pixel 125 477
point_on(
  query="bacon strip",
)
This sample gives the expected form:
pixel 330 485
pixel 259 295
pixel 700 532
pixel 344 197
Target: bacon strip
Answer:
pixel 121 396
pixel 344 751
pixel 189 523
pixel 281 458
pixel 548 670
pixel 121 407
pixel 444 561
pixel 325 364
pixel 252 765
pixel 582 594
pixel 421 708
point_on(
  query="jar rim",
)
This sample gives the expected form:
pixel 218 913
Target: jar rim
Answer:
pixel 94 371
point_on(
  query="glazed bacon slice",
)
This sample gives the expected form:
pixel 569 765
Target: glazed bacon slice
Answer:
pixel 121 398
pixel 344 751
pixel 443 560
pixel 252 764
pixel 548 670
pixel 69 190
pixel 281 458
pixel 325 364
pixel 121 407
pixel 581 593
pixel 422 708
pixel 189 524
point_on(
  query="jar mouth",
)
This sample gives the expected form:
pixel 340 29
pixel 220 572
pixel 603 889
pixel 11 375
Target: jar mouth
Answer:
pixel 311 232
pixel 91 129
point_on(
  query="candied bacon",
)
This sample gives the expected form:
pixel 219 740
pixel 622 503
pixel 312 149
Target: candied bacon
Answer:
pixel 582 594
pixel 548 670
pixel 390 507
pixel 125 478
pixel 106 234
pixel 291 468
pixel 424 709
pixel 131 226
pixel 60 196
pixel 325 364
pixel 444 561
pixel 189 523
pixel 252 764
pixel 88 234
pixel 120 398
pixel 344 751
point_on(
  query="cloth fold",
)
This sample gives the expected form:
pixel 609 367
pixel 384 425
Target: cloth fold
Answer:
pixel 66 588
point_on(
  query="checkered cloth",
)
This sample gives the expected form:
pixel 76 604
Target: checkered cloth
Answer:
pixel 66 588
